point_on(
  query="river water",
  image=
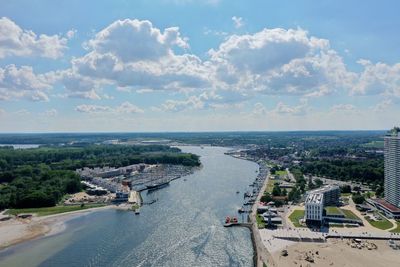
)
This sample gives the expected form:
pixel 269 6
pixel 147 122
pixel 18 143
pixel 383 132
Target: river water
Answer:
pixel 183 228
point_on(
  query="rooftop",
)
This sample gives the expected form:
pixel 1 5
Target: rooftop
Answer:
pixel 387 205
pixel 315 198
pixel 324 189
pixel 394 132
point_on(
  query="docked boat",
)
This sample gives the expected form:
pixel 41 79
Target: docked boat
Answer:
pixel 155 186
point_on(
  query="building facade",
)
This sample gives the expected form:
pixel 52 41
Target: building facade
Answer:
pixel 316 201
pixel 314 207
pixel 392 167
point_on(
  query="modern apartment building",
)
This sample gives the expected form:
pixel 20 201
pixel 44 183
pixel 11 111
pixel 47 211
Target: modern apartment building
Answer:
pixel 392 167
pixel 316 201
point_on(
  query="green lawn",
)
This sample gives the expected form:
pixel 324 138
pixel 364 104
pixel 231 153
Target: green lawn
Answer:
pixel 349 214
pixel 333 210
pixel 260 222
pixel 382 224
pixel 280 173
pixel 345 194
pixel 53 210
pixel 397 229
pixel 296 216
pixel 270 185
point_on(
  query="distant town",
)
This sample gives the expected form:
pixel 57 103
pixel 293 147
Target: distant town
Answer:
pixel 315 194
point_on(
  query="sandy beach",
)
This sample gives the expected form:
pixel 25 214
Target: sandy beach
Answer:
pixel 16 230
pixel 338 253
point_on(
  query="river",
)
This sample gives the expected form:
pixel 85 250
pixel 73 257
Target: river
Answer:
pixel 183 228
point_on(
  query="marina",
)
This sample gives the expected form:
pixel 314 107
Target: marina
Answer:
pixel 166 233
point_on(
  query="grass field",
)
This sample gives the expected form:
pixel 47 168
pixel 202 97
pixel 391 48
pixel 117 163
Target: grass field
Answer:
pixel 397 229
pixel 281 173
pixel 270 185
pixel 383 224
pixel 350 215
pixel 333 210
pixel 296 216
pixel 53 210
pixel 260 222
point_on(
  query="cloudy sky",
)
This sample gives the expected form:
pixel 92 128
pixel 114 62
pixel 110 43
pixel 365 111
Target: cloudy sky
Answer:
pixel 188 65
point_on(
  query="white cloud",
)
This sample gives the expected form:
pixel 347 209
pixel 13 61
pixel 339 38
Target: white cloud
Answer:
pixel 206 99
pixel 238 22
pixel 50 113
pixel 383 105
pixel 378 78
pixel 259 109
pixel 343 108
pixel 124 108
pixel 282 109
pixel 279 61
pixel 23 83
pixel 133 54
pixel 71 34
pixel 135 40
pixel 15 41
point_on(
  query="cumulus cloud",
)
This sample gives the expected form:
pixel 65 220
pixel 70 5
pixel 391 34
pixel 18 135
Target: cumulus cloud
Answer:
pixel 282 109
pixel 23 83
pixel 133 54
pixel 15 41
pixel 192 102
pixel 237 22
pixel 378 78
pixel 124 108
pixel 279 61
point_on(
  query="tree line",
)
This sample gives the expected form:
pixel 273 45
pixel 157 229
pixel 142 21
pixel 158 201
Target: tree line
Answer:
pixel 40 177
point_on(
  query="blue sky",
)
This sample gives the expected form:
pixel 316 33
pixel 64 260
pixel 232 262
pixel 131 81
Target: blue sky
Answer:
pixel 187 65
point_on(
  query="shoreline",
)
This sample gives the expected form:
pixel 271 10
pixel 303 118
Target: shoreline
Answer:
pixel 17 231
pixel 258 256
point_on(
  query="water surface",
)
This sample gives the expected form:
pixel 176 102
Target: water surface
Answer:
pixel 183 228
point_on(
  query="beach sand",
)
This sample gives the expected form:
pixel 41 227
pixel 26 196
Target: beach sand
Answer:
pixel 338 253
pixel 15 231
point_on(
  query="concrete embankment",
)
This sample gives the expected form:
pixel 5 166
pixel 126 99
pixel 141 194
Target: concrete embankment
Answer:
pixel 262 255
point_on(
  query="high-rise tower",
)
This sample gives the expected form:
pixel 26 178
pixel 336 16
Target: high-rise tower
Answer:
pixel 392 167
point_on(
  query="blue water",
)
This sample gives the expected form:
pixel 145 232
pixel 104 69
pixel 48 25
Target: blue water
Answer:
pixel 183 228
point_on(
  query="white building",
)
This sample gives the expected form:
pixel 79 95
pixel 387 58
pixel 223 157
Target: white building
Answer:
pixel 314 207
pixel 316 201
pixel 392 167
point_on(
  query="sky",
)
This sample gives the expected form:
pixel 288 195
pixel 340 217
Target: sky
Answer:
pixel 191 65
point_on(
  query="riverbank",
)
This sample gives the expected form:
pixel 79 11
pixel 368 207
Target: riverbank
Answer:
pixel 18 230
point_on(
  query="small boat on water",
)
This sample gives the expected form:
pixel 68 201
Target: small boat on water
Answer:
pixel 237 192
pixel 156 186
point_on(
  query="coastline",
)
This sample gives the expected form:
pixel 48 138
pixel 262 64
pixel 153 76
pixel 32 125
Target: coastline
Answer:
pixel 16 231
pixel 261 254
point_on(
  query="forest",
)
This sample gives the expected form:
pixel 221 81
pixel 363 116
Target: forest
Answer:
pixel 40 177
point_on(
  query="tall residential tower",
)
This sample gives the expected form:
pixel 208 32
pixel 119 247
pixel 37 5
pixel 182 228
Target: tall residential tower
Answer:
pixel 392 167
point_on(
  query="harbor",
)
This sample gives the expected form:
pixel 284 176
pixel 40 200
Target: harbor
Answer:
pixel 166 233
